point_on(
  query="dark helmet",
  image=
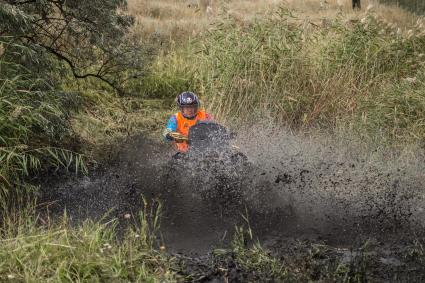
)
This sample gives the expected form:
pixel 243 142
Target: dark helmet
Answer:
pixel 188 103
pixel 187 98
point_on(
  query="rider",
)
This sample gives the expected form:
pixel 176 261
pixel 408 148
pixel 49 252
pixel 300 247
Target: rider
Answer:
pixel 181 122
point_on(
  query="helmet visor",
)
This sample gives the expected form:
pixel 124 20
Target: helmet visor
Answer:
pixel 189 111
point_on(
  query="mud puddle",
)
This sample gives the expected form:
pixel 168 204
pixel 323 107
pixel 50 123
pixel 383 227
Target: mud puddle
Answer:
pixel 297 196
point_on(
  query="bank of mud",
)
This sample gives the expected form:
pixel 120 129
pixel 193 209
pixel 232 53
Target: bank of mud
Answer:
pixel 324 208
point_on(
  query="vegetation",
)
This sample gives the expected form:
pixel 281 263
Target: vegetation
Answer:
pixel 34 126
pixel 247 261
pixel 416 6
pixel 32 252
pixel 44 48
pixel 70 72
pixel 364 76
pixel 89 37
pixel 62 65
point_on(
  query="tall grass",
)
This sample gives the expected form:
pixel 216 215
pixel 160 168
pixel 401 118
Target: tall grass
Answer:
pixel 416 6
pixel 34 127
pixel 175 20
pixel 30 252
pixel 38 124
pixel 306 262
pixel 363 75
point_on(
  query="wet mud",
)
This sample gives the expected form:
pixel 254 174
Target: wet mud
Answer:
pixel 294 193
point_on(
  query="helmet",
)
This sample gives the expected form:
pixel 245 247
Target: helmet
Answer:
pixel 187 98
pixel 188 103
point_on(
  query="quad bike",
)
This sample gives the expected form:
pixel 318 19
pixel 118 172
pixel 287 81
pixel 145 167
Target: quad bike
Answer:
pixel 215 172
pixel 212 168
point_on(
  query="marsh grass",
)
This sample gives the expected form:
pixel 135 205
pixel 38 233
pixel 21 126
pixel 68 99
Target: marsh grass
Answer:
pixel 176 21
pixel 168 21
pixel 327 68
pixel 248 261
pixel 363 75
pixel 49 252
pixel 416 6
pixel 106 118
pixel 34 126
pixel 256 259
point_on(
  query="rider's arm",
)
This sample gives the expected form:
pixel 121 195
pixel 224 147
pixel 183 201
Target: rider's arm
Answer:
pixel 171 127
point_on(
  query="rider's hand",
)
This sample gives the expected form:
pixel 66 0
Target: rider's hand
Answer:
pixel 178 140
pixel 177 137
pixel 169 137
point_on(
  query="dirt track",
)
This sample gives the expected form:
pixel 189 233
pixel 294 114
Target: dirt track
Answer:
pixel 296 194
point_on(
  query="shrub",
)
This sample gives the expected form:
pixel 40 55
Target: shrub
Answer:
pixel 34 126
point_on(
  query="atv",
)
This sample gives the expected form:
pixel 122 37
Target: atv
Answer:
pixel 216 173
pixel 213 168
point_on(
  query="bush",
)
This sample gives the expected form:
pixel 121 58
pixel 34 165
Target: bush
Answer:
pixel 91 38
pixel 34 127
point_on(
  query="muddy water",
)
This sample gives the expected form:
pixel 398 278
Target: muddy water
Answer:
pixel 341 189
pixel 290 188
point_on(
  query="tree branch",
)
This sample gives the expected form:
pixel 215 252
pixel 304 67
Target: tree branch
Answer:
pixel 82 76
pixel 90 39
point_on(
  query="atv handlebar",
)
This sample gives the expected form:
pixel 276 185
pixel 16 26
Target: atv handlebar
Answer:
pixel 178 137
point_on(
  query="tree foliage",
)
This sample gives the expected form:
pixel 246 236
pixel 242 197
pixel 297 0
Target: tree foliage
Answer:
pixel 41 43
pixel 90 37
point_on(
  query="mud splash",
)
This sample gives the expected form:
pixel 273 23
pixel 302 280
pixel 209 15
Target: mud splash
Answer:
pixel 341 186
pixel 289 189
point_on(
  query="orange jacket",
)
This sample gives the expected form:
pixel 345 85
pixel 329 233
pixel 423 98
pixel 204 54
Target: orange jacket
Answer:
pixel 184 124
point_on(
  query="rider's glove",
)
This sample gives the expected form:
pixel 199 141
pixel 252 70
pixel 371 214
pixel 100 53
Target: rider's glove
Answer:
pixel 168 137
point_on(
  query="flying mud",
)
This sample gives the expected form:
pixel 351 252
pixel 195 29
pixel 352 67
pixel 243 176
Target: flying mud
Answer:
pixel 286 188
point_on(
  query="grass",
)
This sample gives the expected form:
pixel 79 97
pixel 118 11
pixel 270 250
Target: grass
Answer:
pixel 363 75
pixel 30 252
pixel 48 127
pixel 33 249
pixel 105 120
pixel 257 260
pixel 168 21
pixel 292 62
pixel 177 20
pixel 414 6
pixel 306 262
pixel 34 122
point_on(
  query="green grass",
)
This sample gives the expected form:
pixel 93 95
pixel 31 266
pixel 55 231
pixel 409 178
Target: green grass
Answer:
pixel 35 131
pixel 364 76
pixel 34 250
pixel 305 262
pixel 64 126
pixel 361 76
pixel 105 120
